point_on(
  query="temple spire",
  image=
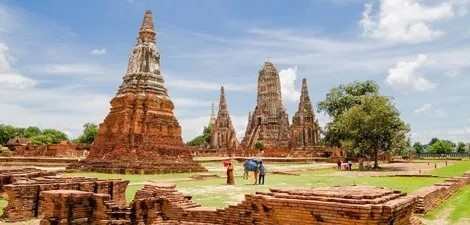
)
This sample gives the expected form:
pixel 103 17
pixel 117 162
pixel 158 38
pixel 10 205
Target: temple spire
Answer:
pixel 222 101
pixel 304 98
pixel 147 33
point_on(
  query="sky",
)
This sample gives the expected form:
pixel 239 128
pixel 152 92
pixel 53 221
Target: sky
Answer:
pixel 61 62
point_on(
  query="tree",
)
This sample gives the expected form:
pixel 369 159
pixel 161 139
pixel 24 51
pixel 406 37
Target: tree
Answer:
pixel 433 140
pixel 32 132
pixel 49 136
pixel 202 139
pixel 7 132
pixel 363 122
pixel 90 131
pixel 461 147
pixel 373 125
pixel 442 147
pixel 344 97
pixel 419 148
pixel 259 146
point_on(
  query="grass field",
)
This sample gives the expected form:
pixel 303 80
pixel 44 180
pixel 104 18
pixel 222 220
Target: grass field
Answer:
pixel 456 169
pixel 213 192
pixel 3 204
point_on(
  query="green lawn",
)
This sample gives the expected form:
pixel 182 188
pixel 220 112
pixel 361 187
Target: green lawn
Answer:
pixel 455 209
pixel 3 204
pixel 213 192
pixel 456 169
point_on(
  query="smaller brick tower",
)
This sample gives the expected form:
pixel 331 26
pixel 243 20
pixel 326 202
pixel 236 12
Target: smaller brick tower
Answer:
pixel 223 135
pixel 305 131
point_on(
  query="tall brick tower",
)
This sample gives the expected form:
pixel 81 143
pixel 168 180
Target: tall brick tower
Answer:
pixel 305 131
pixel 141 133
pixel 223 135
pixel 269 123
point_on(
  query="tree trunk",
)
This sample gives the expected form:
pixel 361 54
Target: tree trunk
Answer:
pixel 376 161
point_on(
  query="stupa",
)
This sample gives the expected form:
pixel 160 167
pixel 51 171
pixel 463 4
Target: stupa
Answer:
pixel 141 133
pixel 305 131
pixel 223 135
pixel 269 123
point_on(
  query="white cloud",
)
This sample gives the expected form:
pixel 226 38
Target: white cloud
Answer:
pixel 73 69
pixel 14 80
pixel 8 78
pixel 288 89
pixel 98 51
pixel 423 108
pixel 405 75
pixel 407 21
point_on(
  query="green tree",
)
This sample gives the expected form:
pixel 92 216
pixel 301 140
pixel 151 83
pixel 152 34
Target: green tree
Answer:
pixel 433 140
pixel 373 125
pixel 90 131
pixel 49 136
pixel 442 147
pixel 344 97
pixel 32 132
pixel 7 132
pixel 202 139
pixel 419 148
pixel 259 146
pixel 461 147
pixel 341 99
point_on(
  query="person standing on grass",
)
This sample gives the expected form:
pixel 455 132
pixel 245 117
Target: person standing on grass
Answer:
pixel 230 176
pixel 262 172
pixel 350 165
pixel 338 163
pixel 256 172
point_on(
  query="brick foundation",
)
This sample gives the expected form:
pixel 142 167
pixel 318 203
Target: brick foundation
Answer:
pixel 11 176
pixel 162 204
pixel 24 195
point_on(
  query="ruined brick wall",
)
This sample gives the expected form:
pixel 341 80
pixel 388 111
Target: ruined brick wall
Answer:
pixel 23 196
pixel 64 149
pixel 9 176
pixel 73 207
pixel 162 204
pixel 431 197
pixel 343 205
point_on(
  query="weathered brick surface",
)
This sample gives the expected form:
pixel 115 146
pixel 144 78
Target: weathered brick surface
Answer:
pixel 141 133
pixel 162 204
pixel 63 149
pixel 431 197
pixel 9 176
pixel 336 205
pixel 24 195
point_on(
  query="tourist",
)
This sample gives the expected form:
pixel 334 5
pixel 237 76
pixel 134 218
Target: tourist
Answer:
pixel 230 176
pixel 350 165
pixel 261 173
pixel 256 172
pixel 339 164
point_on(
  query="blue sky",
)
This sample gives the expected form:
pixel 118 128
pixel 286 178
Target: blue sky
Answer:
pixel 62 61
